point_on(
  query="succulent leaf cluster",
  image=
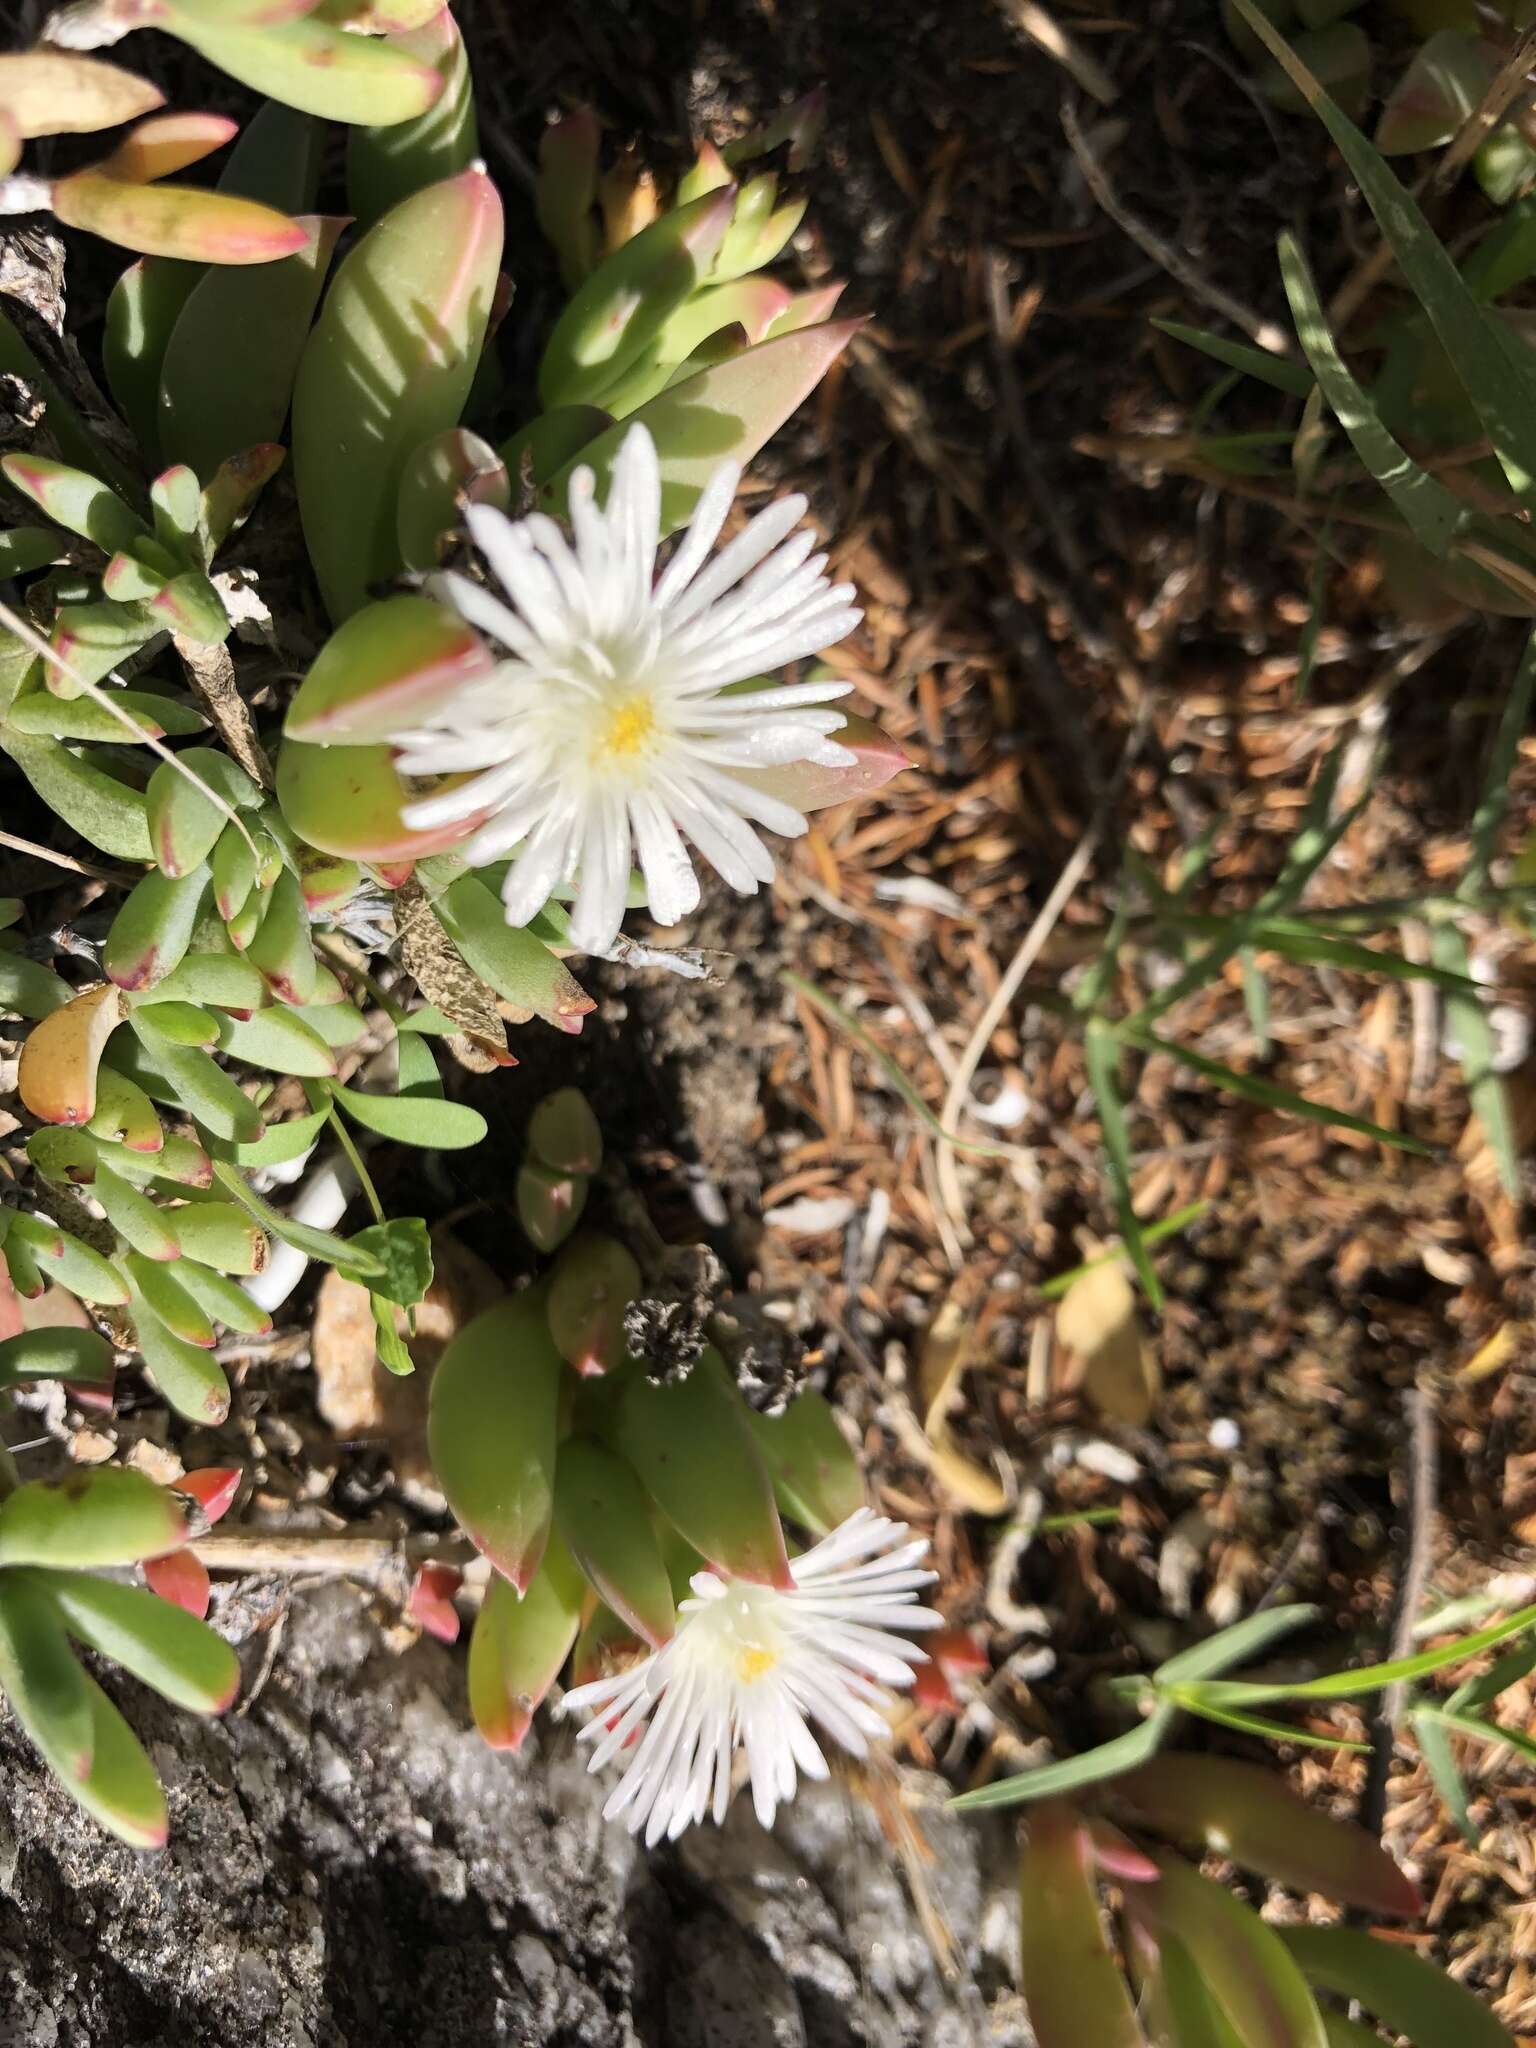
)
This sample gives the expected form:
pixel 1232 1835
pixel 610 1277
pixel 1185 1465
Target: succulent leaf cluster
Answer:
pixel 596 1490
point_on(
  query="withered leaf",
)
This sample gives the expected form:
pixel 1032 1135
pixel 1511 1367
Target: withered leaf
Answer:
pixel 440 970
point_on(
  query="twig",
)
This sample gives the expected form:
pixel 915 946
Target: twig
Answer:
pixel 1261 332
pixel 975 1046
pixel 310 1554
pixel 66 860
pixel 29 636
pixel 1043 29
pixel 1503 89
pixel 1422 1483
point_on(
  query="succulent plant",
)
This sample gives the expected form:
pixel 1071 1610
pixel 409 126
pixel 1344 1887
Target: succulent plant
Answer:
pixel 251 324
pixel 595 1485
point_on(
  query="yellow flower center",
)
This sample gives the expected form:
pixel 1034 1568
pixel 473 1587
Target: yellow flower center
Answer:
pixel 753 1663
pixel 629 728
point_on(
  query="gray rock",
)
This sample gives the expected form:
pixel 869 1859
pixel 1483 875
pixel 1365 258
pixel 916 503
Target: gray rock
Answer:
pixel 350 1867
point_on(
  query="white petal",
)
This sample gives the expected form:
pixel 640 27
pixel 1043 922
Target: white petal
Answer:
pixel 671 886
pixel 709 515
pixel 757 539
pixel 541 864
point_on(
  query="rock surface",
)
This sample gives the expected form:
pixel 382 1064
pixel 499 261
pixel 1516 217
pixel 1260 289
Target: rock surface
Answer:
pixel 350 1867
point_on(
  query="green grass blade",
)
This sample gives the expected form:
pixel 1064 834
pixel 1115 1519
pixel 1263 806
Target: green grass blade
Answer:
pixel 851 1027
pixel 1154 1234
pixel 1492 1732
pixel 1432 512
pixel 1501 766
pixel 1255 1724
pixel 1312 947
pixel 1478 1693
pixel 1345 1685
pixel 1234 1645
pixel 1312 631
pixel 1468 1023
pixel 1501 392
pixel 1256 999
pixel 1431 1731
pixel 1102 1050
pixel 1278 371
pixel 1269 1096
pixel 1320 833
pixel 1137 1746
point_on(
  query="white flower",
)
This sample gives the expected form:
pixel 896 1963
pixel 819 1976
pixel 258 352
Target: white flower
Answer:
pixel 613 725
pixel 750 1667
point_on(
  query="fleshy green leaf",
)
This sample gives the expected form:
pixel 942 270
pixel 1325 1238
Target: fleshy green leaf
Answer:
pixel 491 1432
pixel 382 668
pixel 431 1122
pixel 696 1455
pixel 153 929
pixel 386 165
pixel 602 1513
pixel 309 65
pixel 63 1353
pixel 1244 1964
pixel 156 1642
pixel 1249 1813
pixel 57 1073
pixel 815 1475
pixel 403 1249
pixel 1073 1990
pixel 1408 1994
pixel 518 1646
pixel 187 1376
pixel 61 92
pixel 629 297
pixel 229 368
pixel 186 1078
pixel 518 966
pixel 278 1040
pixel 184 221
pixel 389 364
pixel 73 1265
pixel 90 801
pixel 42 1679
pixel 724 414
pixel 593 1285
pixel 93 1517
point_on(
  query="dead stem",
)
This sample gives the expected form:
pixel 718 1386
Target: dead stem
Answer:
pixel 1261 332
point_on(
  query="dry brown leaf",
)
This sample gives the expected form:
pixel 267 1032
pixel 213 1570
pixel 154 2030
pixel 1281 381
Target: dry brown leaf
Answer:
pixel 1098 1324
pixel 948 1347
pixel 440 971
pixel 211 672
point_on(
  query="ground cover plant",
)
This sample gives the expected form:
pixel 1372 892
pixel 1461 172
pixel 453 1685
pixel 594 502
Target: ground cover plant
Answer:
pixel 395 659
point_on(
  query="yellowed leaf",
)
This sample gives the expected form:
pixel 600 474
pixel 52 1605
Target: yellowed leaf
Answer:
pixel 1098 1324
pixel 948 1347
pixel 58 92
pixel 973 1486
pixel 945 1353
pixel 1495 1353
pixel 56 1078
